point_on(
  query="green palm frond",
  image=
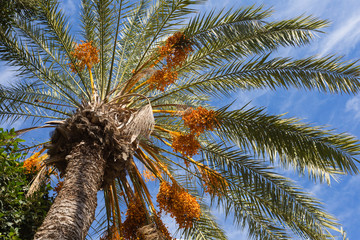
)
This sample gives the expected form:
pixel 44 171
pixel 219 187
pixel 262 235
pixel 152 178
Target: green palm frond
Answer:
pixel 329 74
pixel 145 28
pixel 38 42
pixel 205 228
pixel 108 84
pixel 207 24
pixel 32 65
pixel 243 39
pixel 315 150
pixel 161 19
pixel 254 188
pixel 103 17
pixel 127 43
pixel 87 20
pixel 29 98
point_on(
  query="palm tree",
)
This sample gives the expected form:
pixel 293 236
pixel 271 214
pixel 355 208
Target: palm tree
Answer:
pixel 132 102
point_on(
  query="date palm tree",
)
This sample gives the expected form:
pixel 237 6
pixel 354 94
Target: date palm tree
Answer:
pixel 130 99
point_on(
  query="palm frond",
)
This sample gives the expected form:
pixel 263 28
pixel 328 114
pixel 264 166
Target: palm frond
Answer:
pixel 257 194
pixel 205 228
pixel 87 20
pixel 30 101
pixel 104 17
pixel 160 20
pixel 306 148
pixel 131 27
pixel 54 20
pixel 244 39
pixel 36 38
pixel 32 65
pixel 327 74
pixel 114 46
pixel 208 23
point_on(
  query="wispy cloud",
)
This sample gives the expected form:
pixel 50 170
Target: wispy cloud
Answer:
pixel 250 98
pixel 16 125
pixel 69 7
pixel 7 75
pixel 294 8
pixel 353 105
pixel 212 4
pixel 71 10
pixel 344 36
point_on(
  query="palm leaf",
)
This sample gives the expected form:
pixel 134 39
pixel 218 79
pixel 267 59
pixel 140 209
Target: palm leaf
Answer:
pixel 322 153
pixel 263 200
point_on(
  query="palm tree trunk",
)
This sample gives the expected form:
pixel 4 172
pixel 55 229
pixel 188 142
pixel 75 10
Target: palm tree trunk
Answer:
pixel 73 210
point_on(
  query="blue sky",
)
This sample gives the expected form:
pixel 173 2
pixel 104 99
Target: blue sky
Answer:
pixel 338 111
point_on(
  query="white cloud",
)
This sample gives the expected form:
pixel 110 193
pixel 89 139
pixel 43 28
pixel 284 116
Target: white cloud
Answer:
pixel 69 7
pixel 353 105
pixel 344 36
pixel 249 98
pixel 211 4
pixel 7 75
pixel 295 8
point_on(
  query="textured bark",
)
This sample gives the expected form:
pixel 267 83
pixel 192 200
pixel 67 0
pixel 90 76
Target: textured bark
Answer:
pixel 91 149
pixel 73 210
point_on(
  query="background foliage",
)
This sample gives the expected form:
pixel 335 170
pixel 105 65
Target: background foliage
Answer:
pixel 19 216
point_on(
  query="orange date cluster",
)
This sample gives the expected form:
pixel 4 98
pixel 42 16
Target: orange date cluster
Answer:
pixel 86 55
pixel 175 51
pixel 179 203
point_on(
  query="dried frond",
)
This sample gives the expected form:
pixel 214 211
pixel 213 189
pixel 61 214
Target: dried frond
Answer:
pixel 186 144
pixel 162 228
pixel 143 73
pixel 180 107
pixel 55 122
pixel 39 179
pixel 58 187
pixel 139 75
pixel 141 123
pixel 151 232
pixel 25 130
pixel 179 203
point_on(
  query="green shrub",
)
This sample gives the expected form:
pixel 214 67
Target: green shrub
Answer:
pixel 19 216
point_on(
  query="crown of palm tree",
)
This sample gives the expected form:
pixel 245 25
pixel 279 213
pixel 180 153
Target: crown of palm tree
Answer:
pixel 132 103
